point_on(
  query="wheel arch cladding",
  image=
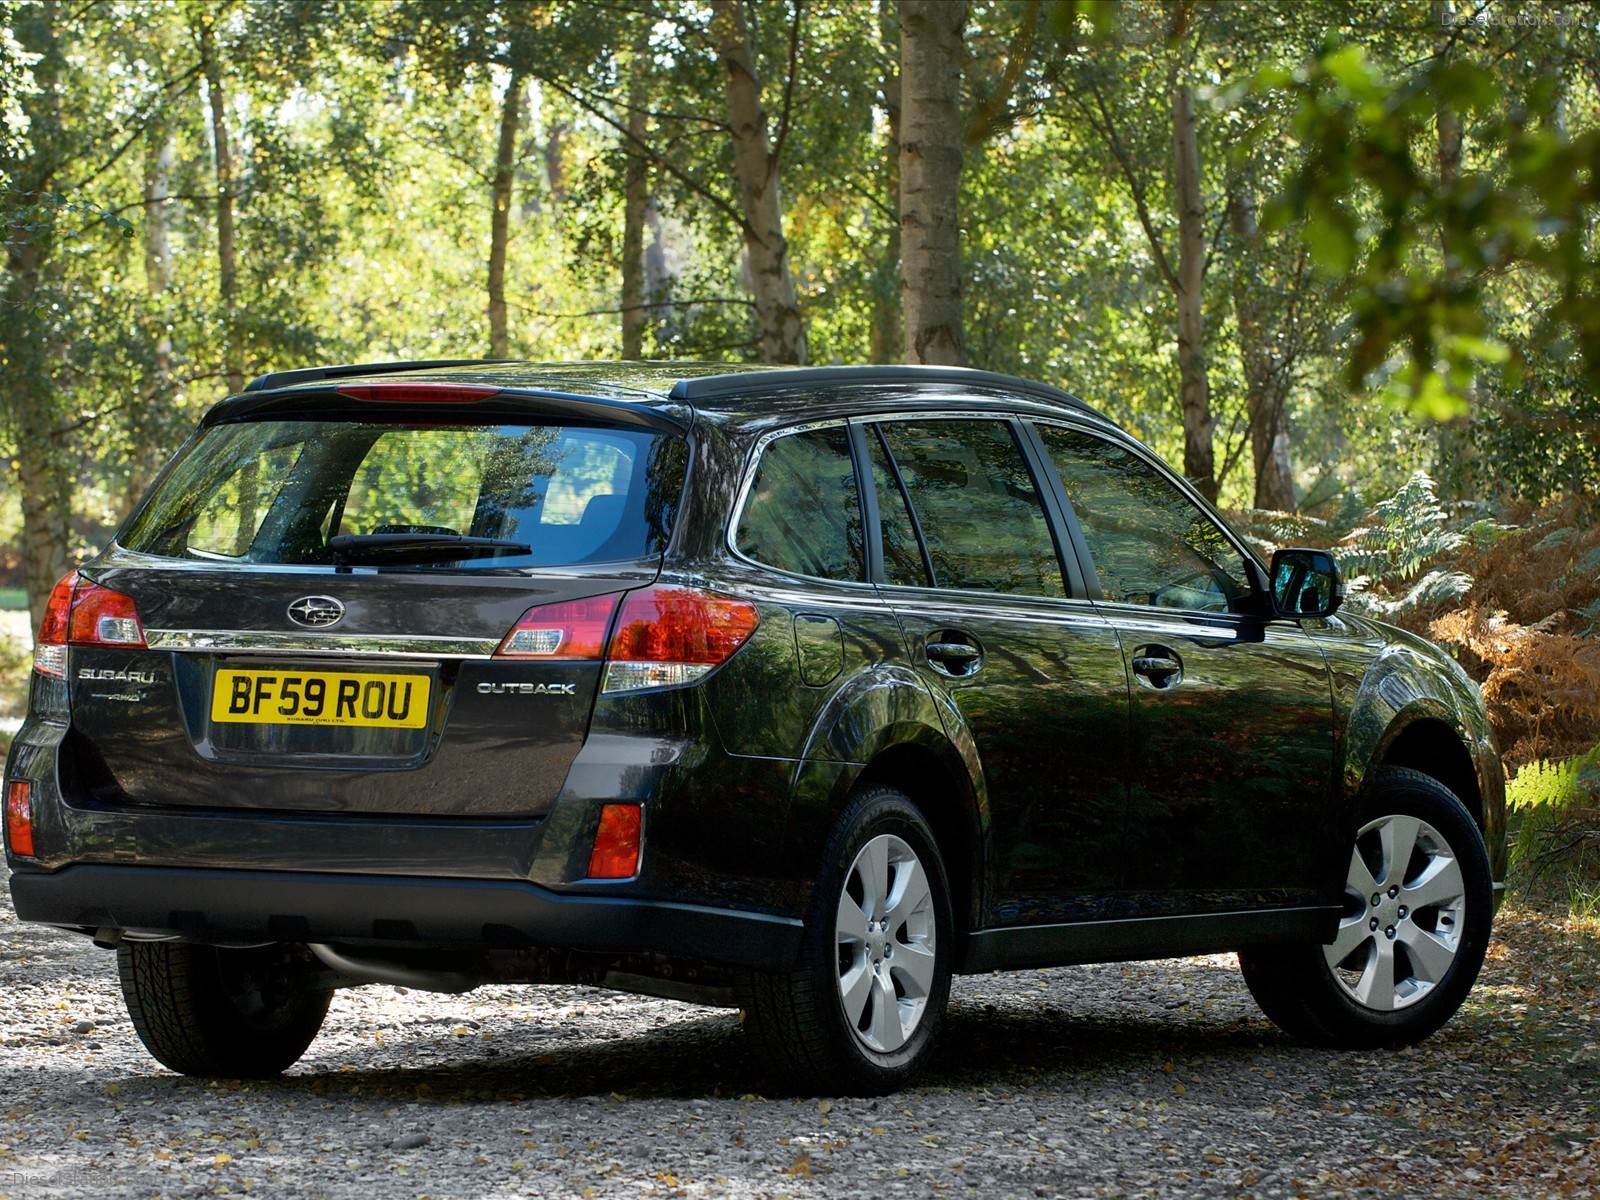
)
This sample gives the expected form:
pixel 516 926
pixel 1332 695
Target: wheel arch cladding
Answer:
pixel 1415 708
pixel 1428 744
pixel 943 795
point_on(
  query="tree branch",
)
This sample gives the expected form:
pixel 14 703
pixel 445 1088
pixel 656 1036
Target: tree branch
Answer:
pixel 720 203
pixel 173 91
pixel 986 121
pixel 646 306
pixel 788 85
pixel 1108 130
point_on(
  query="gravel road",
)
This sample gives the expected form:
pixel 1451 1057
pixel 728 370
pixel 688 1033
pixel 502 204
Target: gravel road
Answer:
pixel 1126 1080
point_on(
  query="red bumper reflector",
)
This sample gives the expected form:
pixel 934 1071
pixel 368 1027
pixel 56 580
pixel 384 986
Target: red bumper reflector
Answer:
pixel 616 843
pixel 19 817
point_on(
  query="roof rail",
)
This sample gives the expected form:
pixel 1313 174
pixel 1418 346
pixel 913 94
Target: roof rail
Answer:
pixel 281 379
pixel 736 383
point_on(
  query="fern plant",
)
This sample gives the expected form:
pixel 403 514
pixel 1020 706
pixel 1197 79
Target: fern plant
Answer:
pixel 1554 817
pixel 1392 558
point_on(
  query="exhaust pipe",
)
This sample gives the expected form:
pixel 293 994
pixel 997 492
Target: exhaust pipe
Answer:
pixel 377 970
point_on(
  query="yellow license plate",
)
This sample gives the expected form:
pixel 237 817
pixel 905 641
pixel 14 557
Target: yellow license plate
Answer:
pixel 357 699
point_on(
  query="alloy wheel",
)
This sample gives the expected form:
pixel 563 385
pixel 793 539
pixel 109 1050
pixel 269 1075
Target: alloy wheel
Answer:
pixel 1404 914
pixel 886 936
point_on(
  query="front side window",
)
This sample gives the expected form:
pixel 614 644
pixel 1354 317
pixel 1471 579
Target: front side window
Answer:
pixel 976 505
pixel 282 491
pixel 1150 543
pixel 803 514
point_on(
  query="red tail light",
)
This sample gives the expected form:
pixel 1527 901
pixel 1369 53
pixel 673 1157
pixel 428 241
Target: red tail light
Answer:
pixel 418 393
pixel 670 636
pixel 80 613
pixel 662 636
pixel 19 817
pixel 50 647
pixel 616 843
pixel 574 629
pixel 101 617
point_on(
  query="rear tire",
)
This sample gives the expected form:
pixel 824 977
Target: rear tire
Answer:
pixel 860 1015
pixel 1415 928
pixel 235 1014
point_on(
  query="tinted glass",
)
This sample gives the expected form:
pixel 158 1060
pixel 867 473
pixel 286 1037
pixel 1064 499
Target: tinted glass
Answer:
pixel 276 491
pixel 803 514
pixel 1150 543
pixel 902 556
pixel 977 506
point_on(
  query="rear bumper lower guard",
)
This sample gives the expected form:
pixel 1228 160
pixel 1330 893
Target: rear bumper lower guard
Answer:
pixel 282 906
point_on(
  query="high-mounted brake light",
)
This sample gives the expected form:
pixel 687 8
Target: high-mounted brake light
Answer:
pixel 572 629
pixel 81 613
pixel 418 393
pixel 667 637
pixel 19 817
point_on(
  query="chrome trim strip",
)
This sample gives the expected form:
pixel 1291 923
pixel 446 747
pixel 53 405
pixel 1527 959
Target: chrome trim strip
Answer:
pixel 251 641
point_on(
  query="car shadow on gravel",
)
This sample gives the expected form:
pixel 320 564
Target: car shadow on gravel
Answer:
pixel 691 1058
pixel 1013 1042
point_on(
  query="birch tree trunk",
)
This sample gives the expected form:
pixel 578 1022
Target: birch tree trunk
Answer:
pixel 1266 388
pixel 227 254
pixel 27 390
pixel 505 165
pixel 886 334
pixel 43 473
pixel 783 337
pixel 635 210
pixel 1198 424
pixel 930 179
pixel 160 156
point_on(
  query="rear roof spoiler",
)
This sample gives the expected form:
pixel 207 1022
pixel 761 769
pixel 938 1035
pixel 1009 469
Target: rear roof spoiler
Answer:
pixel 507 404
pixel 283 379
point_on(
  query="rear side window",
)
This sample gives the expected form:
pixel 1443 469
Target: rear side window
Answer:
pixel 902 553
pixel 278 491
pixel 803 514
pixel 977 506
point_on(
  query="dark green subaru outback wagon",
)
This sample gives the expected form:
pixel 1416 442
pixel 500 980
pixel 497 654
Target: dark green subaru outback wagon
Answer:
pixel 794 690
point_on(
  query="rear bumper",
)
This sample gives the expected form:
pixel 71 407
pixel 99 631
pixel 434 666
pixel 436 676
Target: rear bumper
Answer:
pixel 231 906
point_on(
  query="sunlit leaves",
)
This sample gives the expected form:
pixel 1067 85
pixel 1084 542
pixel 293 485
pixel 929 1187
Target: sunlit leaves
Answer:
pixel 1415 267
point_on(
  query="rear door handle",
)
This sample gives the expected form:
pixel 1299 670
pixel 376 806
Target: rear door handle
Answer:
pixel 1157 667
pixel 953 654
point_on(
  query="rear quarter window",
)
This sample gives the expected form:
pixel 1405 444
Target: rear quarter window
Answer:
pixel 802 513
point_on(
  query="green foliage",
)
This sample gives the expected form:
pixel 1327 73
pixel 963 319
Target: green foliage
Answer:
pixel 1374 196
pixel 1553 811
pixel 365 139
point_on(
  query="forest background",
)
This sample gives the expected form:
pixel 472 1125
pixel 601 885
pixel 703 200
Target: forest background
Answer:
pixel 1340 260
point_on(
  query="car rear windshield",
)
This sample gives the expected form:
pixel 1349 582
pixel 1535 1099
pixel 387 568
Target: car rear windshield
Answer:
pixel 535 495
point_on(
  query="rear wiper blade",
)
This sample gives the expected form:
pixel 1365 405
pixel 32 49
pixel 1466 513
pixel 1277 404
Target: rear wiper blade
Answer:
pixel 348 548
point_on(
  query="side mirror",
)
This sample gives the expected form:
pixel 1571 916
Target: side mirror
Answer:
pixel 1305 583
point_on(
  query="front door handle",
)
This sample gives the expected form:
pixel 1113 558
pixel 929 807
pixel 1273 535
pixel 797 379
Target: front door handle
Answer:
pixel 1157 667
pixel 952 653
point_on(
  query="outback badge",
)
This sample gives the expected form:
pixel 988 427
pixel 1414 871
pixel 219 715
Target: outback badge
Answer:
pixel 316 612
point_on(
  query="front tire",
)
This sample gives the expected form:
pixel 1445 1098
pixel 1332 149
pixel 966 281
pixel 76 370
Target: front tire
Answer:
pixel 233 1014
pixel 1418 906
pixel 860 1014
